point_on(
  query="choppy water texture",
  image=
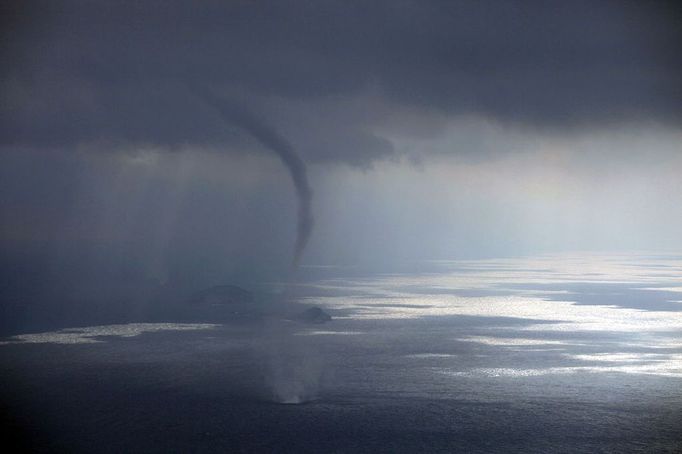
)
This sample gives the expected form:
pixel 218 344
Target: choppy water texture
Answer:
pixel 574 353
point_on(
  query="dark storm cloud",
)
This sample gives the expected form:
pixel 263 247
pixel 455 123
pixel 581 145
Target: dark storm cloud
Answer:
pixel 110 72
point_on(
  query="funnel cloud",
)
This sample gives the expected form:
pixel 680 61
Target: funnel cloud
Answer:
pixel 238 115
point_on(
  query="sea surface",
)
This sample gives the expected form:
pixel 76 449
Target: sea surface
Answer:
pixel 560 353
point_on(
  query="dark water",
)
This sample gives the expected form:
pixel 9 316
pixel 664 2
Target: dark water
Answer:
pixel 495 356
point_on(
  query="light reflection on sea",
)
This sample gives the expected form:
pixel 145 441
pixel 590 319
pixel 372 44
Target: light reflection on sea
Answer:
pixel 572 353
pixel 589 308
pixel 97 334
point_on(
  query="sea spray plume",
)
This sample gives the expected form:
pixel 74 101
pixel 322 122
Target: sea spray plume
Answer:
pixel 295 365
pixel 237 114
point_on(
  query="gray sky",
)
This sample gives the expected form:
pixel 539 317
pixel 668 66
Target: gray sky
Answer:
pixel 430 130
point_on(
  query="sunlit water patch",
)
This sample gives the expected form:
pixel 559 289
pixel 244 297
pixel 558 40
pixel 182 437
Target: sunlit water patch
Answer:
pixel 667 369
pixel 95 334
pixel 612 310
pixel 327 333
pixel 514 342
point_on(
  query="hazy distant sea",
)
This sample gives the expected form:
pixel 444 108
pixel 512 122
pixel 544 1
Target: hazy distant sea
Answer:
pixel 571 353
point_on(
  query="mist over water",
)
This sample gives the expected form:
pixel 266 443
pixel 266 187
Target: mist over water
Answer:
pixel 295 369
